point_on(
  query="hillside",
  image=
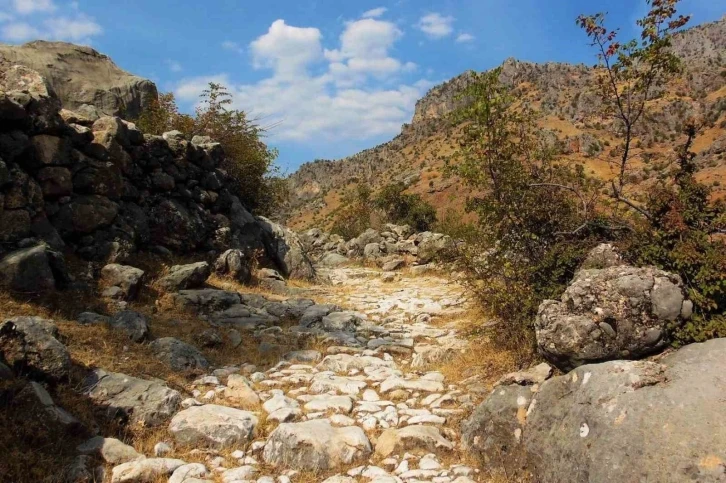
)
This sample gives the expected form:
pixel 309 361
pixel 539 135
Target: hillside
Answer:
pixel 565 97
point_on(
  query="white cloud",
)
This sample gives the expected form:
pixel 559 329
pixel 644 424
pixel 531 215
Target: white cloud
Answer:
pixel 464 38
pixel 174 66
pixel 286 49
pixel 233 46
pixel 436 25
pixel 19 32
pixel 5 17
pixel 356 98
pixel 25 7
pixel 44 20
pixel 375 12
pixel 80 28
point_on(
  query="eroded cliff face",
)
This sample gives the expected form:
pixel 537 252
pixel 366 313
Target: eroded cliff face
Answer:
pixel 565 96
pixel 83 79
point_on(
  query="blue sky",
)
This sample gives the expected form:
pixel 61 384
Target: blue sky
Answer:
pixel 335 76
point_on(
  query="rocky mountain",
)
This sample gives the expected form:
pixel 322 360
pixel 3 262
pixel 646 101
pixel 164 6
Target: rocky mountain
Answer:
pixel 566 98
pixel 83 79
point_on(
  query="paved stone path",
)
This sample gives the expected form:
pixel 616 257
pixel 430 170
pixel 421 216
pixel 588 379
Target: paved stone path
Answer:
pixel 369 408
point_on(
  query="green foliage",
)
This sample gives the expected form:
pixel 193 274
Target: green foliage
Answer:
pixel 681 237
pixel 404 208
pixel 535 222
pixel 247 158
pixel 354 215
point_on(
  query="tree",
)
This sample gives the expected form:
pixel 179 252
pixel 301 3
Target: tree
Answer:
pixel 629 74
pixel 248 159
pixel 405 208
pixel 354 215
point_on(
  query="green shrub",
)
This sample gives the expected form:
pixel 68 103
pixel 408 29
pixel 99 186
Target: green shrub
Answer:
pixel 404 208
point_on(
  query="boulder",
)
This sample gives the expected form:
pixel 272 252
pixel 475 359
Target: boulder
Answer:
pixel 182 277
pixel 201 300
pixel 393 265
pixel 341 321
pixel 239 392
pixel 432 245
pixel 315 445
pixel 234 264
pixel 619 312
pixel 178 355
pixel 85 214
pixel 55 182
pixel 372 251
pixel 29 346
pixel 417 439
pixel 31 270
pixel 286 250
pixel 494 430
pixel 191 473
pixel 126 278
pixel 177 227
pixel 133 323
pixel 145 470
pixel 110 450
pixel 213 426
pixel 313 315
pixel 333 260
pixel 81 76
pixel 141 401
pixel 659 421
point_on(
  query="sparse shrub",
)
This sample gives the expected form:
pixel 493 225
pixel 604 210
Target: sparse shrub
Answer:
pixel 405 208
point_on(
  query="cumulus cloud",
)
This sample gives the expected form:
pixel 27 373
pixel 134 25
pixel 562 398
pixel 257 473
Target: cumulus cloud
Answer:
pixel 43 19
pixel 286 49
pixel 464 38
pixel 25 7
pixel 436 25
pixel 174 66
pixel 315 94
pixel 375 12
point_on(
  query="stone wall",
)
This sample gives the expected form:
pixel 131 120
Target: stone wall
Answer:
pixel 100 187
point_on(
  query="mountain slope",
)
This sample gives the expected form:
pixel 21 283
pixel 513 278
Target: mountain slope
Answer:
pixel 566 98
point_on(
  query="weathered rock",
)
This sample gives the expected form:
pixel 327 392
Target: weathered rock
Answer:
pixel 619 312
pixel 182 277
pixel 343 363
pixel 372 251
pixel 141 401
pixel 202 300
pixel 29 346
pixel 333 260
pixel 344 321
pixel 191 473
pixel 630 421
pixel 85 215
pixel 415 439
pixel 31 270
pixel 55 182
pixel 178 355
pixel 239 392
pixel 133 323
pixel 393 265
pixel 145 470
pixel 315 445
pixel 432 246
pixel 494 431
pixel 38 394
pixel 235 264
pixel 111 450
pixel 535 375
pixel 81 76
pixel 213 426
pixel 314 314
pixel 127 278
pixel 287 250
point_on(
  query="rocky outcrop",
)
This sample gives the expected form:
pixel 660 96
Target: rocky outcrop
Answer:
pixel 29 346
pixel 213 426
pixel 105 190
pixel 633 420
pixel 618 312
pixel 84 80
pixel 140 401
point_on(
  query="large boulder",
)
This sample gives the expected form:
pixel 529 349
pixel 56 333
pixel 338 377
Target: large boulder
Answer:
pixel 235 264
pixel 81 76
pixel 316 445
pixel 659 421
pixel 29 346
pixel 619 312
pixel 125 278
pixel 432 245
pixel 178 355
pixel 32 270
pixel 201 300
pixel 182 277
pixel 140 401
pixel 132 323
pixel 213 426
pixel 286 250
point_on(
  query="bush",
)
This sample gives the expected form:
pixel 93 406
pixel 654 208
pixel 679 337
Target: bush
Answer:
pixel 353 217
pixel 247 158
pixel 405 209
